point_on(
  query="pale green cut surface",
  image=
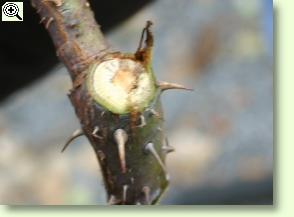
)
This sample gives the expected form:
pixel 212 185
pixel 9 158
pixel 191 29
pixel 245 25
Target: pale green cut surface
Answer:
pixel 121 85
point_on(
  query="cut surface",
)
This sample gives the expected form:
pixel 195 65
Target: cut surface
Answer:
pixel 121 85
pixel 125 80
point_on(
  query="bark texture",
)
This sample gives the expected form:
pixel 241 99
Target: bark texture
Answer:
pixel 131 148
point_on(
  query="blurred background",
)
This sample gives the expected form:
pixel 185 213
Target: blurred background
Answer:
pixel 222 132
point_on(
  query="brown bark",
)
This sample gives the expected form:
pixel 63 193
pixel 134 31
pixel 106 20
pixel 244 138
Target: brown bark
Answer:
pixel 131 148
pixel 74 32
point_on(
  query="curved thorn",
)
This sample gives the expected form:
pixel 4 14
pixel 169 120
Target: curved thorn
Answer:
pixel 143 122
pixel 95 133
pixel 113 200
pixel 150 148
pixel 167 177
pixel 155 113
pixel 125 188
pixel 132 180
pixel 101 155
pixel 167 148
pixel 49 21
pixel 168 86
pixel 146 191
pixel 42 20
pixel 75 135
pixel 121 138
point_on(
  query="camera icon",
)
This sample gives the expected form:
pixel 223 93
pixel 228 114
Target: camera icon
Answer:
pixel 12 11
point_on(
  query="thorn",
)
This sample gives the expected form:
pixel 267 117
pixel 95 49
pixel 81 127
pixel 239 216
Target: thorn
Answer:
pixel 146 191
pixel 125 188
pixel 95 133
pixel 143 122
pixel 42 20
pixel 102 113
pixel 159 128
pixel 167 148
pixel 75 135
pixel 121 138
pixel 167 86
pixel 101 155
pixel 132 180
pixel 87 4
pixel 150 148
pixel 49 21
pixel 33 4
pixel 113 200
pixel 167 177
pixel 155 113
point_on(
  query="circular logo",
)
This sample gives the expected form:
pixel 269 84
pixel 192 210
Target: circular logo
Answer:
pixel 10 10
